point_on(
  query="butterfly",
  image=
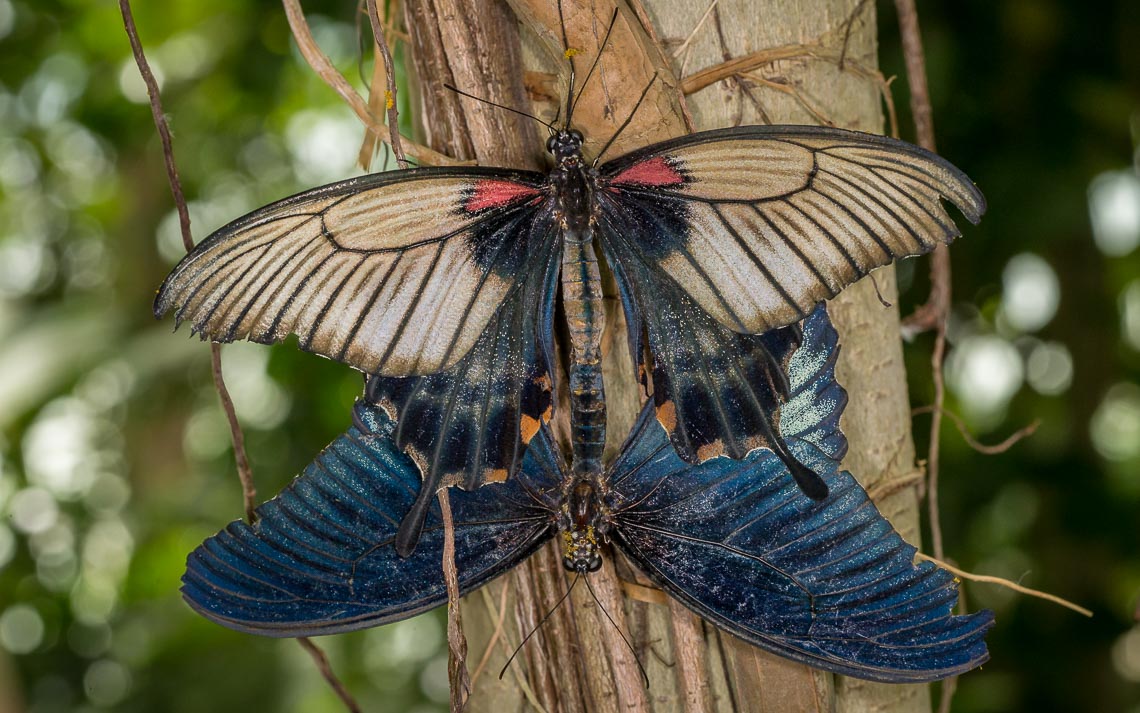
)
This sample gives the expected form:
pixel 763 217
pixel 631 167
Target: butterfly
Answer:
pixel 440 283
pixel 827 583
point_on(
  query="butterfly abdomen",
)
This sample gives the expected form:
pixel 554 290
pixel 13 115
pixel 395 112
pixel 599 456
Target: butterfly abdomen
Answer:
pixel 582 300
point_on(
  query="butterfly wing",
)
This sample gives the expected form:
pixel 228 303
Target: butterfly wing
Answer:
pixel 830 583
pixel 764 222
pixel 394 273
pixel 320 558
pixel 470 424
pixel 715 391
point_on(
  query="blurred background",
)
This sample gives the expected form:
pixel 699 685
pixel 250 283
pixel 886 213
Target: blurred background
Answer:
pixel 114 453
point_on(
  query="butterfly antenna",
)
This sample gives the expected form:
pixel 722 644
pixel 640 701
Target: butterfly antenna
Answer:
pixel 628 119
pixel 462 93
pixel 644 675
pixel 539 625
pixel 601 48
pixel 569 55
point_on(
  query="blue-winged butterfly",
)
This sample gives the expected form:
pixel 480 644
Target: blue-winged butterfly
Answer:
pixel 828 583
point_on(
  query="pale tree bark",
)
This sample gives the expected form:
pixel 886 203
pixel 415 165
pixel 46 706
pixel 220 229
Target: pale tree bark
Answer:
pixel 577 662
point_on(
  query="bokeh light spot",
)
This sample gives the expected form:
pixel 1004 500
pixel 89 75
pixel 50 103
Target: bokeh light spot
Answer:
pixel 1030 292
pixel 1126 655
pixel 1115 426
pixel 259 400
pixel 323 144
pixel 33 510
pixel 404 644
pixel 60 448
pixel 1114 208
pixel 21 629
pixel 985 371
pixel 433 680
pixel 1049 369
pixel 106 682
pixel 25 265
pixel 19 164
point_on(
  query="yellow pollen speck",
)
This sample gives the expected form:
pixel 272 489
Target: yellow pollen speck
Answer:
pixel 389 100
pixel 570 52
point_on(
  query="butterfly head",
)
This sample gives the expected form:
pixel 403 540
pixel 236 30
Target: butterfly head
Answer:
pixel 581 551
pixel 566 146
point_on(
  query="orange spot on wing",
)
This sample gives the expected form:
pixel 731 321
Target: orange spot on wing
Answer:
pixel 497 475
pixel 667 415
pixel 710 450
pixel 529 426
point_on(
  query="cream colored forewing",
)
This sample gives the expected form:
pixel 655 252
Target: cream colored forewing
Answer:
pixel 395 274
pixel 769 221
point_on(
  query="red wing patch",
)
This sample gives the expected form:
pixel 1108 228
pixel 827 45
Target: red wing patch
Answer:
pixel 493 193
pixel 657 171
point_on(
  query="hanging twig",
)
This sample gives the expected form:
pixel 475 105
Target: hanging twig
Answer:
pixel 736 81
pixel 847 25
pixel 933 313
pixel 456 642
pixel 819 50
pixel 376 98
pixel 324 68
pixel 990 579
pixel 245 474
pixel 795 93
pixel 1019 434
pixel 739 65
pixel 390 74
pixel 322 663
pixel 647 25
pixel 499 617
pixel 683 48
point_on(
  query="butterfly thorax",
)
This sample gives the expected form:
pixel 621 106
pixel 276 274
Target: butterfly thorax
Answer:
pixel 580 523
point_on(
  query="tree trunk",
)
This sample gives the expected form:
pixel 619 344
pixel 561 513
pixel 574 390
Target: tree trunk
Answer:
pixel 577 662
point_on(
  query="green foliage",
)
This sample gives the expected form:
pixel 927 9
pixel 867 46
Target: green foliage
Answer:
pixel 116 456
pixel 114 453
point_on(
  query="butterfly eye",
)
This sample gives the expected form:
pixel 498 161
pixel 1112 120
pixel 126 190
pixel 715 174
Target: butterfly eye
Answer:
pixel 551 143
pixel 576 136
pixel 595 563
